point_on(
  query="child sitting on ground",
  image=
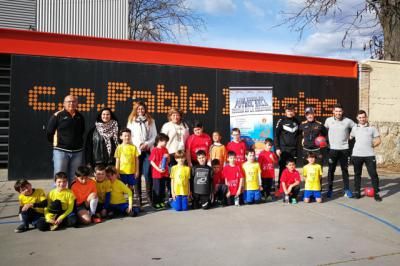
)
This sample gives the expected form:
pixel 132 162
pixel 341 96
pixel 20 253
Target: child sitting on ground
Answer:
pixel 31 204
pixel 180 189
pixel 202 182
pixel 60 206
pixel 290 182
pixel 267 159
pixel 85 193
pixel 103 186
pixel 312 173
pixel 220 189
pixel 233 175
pixel 159 159
pixel 252 177
pixel 217 150
pixel 118 204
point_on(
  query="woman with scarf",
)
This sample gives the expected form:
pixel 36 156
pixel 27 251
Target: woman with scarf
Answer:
pixel 102 139
pixel 144 133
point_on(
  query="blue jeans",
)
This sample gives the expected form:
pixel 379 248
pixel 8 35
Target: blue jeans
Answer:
pixel 67 162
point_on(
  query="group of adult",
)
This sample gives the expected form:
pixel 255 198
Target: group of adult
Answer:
pixel 339 130
pixel 66 130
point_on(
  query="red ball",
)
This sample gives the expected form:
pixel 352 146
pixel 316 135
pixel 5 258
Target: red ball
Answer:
pixel 321 142
pixel 369 192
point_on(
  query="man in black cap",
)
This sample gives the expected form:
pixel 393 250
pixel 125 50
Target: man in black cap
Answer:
pixel 311 129
pixel 286 138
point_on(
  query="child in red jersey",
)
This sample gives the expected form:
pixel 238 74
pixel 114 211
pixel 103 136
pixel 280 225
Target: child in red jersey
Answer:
pixel 233 175
pixel 267 159
pixel 159 158
pixel 220 189
pixel 196 142
pixel 238 146
pixel 290 182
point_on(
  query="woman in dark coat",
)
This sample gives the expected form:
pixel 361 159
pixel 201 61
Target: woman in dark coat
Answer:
pixel 102 139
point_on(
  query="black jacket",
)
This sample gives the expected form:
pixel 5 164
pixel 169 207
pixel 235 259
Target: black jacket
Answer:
pixel 286 134
pixel 69 131
pixel 96 149
pixel 311 130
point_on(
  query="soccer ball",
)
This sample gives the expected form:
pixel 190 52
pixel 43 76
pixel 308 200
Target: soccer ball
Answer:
pixel 369 191
pixel 320 141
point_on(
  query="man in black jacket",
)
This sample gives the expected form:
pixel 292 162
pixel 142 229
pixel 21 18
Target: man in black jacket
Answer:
pixel 286 138
pixel 65 130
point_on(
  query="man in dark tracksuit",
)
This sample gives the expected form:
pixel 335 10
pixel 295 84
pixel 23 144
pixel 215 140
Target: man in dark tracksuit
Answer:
pixel 310 130
pixel 286 138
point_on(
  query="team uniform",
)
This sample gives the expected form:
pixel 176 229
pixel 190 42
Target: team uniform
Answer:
pixel 312 174
pixel 197 143
pixel 338 135
pixel 310 131
pixel 232 175
pixel 159 179
pixel 82 192
pixel 104 194
pixel 218 151
pixel 252 182
pixel 290 178
pixel 202 186
pixel 239 148
pixel 117 200
pixel 60 205
pixel 267 170
pixel 33 214
pixel 180 176
pixel 127 154
pixel 286 139
pixel 220 189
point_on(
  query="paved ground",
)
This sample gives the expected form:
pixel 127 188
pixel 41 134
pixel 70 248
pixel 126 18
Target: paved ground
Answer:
pixel 338 232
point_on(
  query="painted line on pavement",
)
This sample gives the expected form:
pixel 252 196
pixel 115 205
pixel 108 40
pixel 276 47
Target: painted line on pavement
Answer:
pixel 393 226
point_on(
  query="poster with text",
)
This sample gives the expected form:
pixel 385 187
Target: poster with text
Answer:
pixel 251 112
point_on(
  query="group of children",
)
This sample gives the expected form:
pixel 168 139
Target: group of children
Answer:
pixel 218 175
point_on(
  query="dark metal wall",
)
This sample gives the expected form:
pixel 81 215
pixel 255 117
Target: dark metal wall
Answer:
pixel 39 85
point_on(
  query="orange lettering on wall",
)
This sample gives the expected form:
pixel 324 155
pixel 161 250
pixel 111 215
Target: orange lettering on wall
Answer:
pixel 147 97
pixel 83 106
pixel 166 100
pixel 117 92
pixel 33 98
pixel 198 103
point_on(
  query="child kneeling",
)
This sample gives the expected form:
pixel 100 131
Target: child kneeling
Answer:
pixel 180 189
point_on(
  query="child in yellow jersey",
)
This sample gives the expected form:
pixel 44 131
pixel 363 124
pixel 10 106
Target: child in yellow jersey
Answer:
pixel 31 204
pixel 60 205
pixel 127 164
pixel 217 149
pixel 103 185
pixel 312 173
pixel 252 176
pixel 180 189
pixel 118 204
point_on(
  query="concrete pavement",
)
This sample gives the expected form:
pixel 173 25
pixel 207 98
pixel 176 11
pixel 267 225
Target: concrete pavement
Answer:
pixel 338 232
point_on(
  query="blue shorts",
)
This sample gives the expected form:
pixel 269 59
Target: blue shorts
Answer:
pixel 180 203
pixel 312 193
pixel 120 208
pixel 251 196
pixel 128 179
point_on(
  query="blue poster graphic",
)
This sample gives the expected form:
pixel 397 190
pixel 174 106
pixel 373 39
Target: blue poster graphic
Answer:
pixel 251 112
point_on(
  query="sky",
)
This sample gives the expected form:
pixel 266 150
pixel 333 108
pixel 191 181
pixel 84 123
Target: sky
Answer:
pixel 251 25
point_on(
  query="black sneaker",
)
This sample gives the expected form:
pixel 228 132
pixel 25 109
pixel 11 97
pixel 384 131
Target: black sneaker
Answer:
pixel 357 195
pixel 377 198
pixel 20 229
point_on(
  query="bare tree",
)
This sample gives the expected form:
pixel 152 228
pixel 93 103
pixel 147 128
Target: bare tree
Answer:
pixel 379 18
pixel 162 20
